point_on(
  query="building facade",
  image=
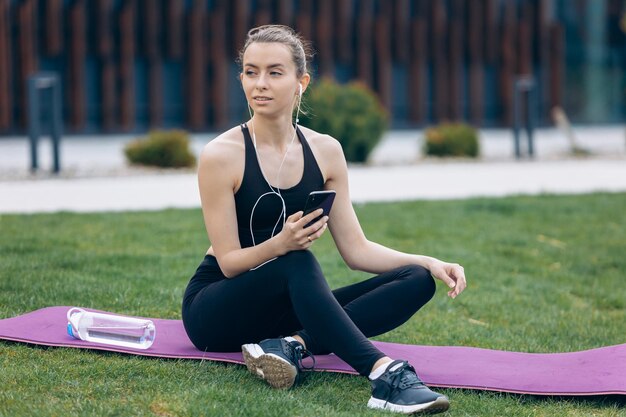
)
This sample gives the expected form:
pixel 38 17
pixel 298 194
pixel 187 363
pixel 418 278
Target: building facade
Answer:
pixel 132 65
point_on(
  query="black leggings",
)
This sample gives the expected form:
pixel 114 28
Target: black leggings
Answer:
pixel 291 296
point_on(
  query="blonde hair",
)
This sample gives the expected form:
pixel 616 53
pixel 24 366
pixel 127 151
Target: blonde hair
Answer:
pixel 300 49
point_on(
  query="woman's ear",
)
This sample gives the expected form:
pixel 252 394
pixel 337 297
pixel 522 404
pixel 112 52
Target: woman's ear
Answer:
pixel 304 83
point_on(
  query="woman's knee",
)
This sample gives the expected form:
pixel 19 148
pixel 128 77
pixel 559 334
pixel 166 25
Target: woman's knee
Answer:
pixel 300 262
pixel 421 280
pixel 300 257
pixel 301 271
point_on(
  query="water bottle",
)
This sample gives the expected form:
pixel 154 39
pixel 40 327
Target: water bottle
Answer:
pixel 128 332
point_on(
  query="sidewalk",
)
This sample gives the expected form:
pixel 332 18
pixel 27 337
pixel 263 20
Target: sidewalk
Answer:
pixel 95 176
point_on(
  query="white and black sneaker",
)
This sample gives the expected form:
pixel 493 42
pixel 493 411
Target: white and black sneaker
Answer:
pixel 399 389
pixel 277 361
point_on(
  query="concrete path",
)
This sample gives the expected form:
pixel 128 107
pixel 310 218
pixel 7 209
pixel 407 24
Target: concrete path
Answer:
pixel 96 178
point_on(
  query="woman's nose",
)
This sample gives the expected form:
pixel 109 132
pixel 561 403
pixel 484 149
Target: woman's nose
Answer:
pixel 261 82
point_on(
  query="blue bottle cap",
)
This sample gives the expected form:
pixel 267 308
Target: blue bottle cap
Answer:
pixel 70 330
pixel 71 326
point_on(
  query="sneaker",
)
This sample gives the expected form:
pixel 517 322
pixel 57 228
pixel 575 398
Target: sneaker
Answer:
pixel 277 361
pixel 400 390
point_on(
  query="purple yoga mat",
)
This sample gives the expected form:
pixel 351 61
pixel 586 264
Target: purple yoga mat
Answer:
pixel 590 372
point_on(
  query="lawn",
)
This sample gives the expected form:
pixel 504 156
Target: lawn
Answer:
pixel 545 274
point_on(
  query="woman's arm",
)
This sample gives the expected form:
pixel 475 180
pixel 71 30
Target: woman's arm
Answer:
pixel 357 251
pixel 219 172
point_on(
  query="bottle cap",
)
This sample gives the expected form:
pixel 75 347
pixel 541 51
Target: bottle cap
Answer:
pixel 70 330
pixel 72 321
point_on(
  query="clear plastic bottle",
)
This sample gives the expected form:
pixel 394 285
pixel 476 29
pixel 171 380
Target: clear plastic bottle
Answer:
pixel 110 329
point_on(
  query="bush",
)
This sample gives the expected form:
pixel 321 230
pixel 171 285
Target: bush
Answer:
pixel 350 113
pixel 166 149
pixel 451 139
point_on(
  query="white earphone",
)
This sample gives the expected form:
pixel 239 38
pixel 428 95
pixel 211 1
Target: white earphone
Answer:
pixel 273 191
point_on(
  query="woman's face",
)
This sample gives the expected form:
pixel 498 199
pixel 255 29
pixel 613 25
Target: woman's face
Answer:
pixel 269 79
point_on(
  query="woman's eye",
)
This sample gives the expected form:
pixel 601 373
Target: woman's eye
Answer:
pixel 275 73
pixel 249 72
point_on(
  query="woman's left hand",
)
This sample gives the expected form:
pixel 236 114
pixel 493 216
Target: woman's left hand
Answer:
pixel 453 275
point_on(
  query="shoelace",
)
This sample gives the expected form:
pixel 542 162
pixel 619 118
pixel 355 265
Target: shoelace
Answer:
pixel 403 377
pixel 298 353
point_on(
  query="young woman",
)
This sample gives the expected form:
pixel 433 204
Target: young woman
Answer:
pixel 259 285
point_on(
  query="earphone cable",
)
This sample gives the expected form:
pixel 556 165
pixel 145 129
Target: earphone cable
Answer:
pixel 274 191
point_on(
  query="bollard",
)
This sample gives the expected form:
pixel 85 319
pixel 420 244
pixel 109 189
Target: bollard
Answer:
pixel 524 85
pixel 37 84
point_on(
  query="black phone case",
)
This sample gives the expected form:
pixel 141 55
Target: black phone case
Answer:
pixel 316 201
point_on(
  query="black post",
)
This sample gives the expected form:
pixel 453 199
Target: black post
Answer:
pixel 56 123
pixel 524 84
pixel 36 84
pixel 516 119
pixel 33 122
pixel 531 106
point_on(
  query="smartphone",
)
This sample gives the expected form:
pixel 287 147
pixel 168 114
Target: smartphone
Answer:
pixel 319 199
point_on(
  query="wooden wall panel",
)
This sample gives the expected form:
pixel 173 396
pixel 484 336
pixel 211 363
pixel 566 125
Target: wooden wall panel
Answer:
pixel 420 80
pixel 219 63
pixel 152 47
pixel 27 46
pixel 53 10
pixel 543 56
pixel 104 27
pixel 525 29
pixel 6 98
pixel 77 53
pixel 447 47
pixel 155 94
pixel 285 12
pixel 383 54
pixel 105 53
pixel 108 95
pixel 127 64
pixel 418 90
pixel 324 35
pixel 524 50
pixel 508 61
pixel 304 19
pixel 196 66
pixel 440 59
pixel 150 25
pixel 263 15
pixel 456 33
pixel 364 42
pixel 401 30
pixel 557 64
pixel 492 32
pixel 344 31
pixel 175 16
pixel 476 35
pixel 240 26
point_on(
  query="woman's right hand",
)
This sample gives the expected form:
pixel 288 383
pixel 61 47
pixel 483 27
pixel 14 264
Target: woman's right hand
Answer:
pixel 295 236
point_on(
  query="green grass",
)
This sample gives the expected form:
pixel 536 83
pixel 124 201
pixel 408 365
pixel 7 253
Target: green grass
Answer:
pixel 546 274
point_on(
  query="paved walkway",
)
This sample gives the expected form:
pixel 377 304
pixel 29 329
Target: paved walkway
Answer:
pixel 95 176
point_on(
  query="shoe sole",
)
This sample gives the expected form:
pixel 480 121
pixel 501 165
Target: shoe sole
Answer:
pixel 440 405
pixel 275 370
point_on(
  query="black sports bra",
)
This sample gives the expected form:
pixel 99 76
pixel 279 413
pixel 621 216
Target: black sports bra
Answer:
pixel 268 208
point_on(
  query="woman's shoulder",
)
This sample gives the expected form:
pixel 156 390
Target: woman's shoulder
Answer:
pixel 325 144
pixel 225 147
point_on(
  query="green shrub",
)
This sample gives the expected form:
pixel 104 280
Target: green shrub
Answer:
pixel 350 113
pixel 163 148
pixel 451 139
